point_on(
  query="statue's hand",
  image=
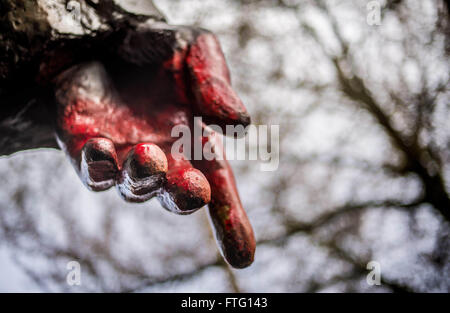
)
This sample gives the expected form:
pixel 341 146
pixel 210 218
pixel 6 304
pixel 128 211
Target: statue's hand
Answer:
pixel 115 117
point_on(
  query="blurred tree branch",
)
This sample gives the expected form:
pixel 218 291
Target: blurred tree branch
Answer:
pixel 309 228
pixel 409 158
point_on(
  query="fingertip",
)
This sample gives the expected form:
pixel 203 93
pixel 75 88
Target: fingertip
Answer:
pixel 219 104
pixel 240 257
pixel 233 233
pixel 146 159
pixel 142 173
pixel 240 260
pixel 244 119
pixel 186 191
pixel 98 166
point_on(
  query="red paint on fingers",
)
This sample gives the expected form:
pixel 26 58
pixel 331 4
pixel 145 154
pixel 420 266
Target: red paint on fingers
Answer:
pixel 210 84
pixel 143 173
pixel 233 230
pixel 186 188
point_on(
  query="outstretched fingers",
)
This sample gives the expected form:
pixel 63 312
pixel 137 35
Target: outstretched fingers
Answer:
pixel 233 231
pixel 210 83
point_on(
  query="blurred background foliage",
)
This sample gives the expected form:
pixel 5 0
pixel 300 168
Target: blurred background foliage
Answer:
pixel 364 168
